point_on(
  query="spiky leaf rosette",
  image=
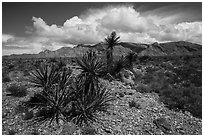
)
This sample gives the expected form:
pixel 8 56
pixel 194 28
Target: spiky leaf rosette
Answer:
pixel 112 40
pixel 92 69
pixel 54 103
pixel 44 76
pixel 86 106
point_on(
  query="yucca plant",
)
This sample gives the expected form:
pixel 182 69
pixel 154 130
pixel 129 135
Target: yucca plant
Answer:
pixel 54 102
pixel 86 105
pixel 44 76
pixel 92 69
pixel 111 41
pixel 90 96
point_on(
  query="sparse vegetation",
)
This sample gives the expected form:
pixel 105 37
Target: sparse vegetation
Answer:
pixel 134 104
pixel 5 78
pixel 185 99
pixel 17 90
pixel 93 89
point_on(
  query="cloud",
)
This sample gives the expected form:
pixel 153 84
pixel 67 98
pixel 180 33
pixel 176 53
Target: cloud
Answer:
pixel 94 25
pixel 7 37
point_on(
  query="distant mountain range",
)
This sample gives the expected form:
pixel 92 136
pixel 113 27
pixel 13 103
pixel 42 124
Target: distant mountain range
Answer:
pixel 156 49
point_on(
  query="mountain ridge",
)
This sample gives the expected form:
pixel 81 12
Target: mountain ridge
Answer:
pixel 179 48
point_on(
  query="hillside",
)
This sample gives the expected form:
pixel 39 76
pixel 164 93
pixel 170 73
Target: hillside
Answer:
pixel 120 119
pixel 179 48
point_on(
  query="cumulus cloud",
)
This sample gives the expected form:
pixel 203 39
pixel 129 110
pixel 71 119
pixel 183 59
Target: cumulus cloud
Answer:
pixel 94 25
pixel 132 25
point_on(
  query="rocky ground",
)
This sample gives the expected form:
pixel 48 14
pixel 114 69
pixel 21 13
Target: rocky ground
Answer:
pixel 148 116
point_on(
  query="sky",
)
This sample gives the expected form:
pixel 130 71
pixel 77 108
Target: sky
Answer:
pixel 35 26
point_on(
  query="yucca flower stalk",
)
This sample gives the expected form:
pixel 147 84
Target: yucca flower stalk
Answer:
pixel 111 41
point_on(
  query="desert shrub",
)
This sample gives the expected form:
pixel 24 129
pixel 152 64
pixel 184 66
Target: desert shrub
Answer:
pixel 20 109
pixel 155 87
pixel 117 66
pixel 144 59
pixel 34 132
pixel 17 90
pixel 52 60
pixel 12 132
pixel 147 78
pixel 141 89
pixel 11 66
pixel 150 69
pixel 88 130
pixel 187 75
pixel 27 115
pixel 121 94
pixel 5 78
pixel 186 99
pixel 134 104
pixel 130 58
pixel 26 72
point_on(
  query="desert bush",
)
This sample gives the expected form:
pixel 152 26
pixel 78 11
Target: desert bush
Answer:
pixel 150 69
pixel 17 90
pixel 121 94
pixel 134 104
pixel 5 78
pixel 117 66
pixel 20 108
pixel 27 115
pixel 88 130
pixel 12 132
pixel 11 66
pixel 141 89
pixel 130 58
pixel 144 59
pixel 147 78
pixel 185 99
pixel 187 75
pixel 26 72
pixel 34 132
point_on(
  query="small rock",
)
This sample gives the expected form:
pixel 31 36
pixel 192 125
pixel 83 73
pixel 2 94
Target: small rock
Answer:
pixel 162 124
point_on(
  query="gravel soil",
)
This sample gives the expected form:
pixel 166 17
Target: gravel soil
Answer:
pixel 121 119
